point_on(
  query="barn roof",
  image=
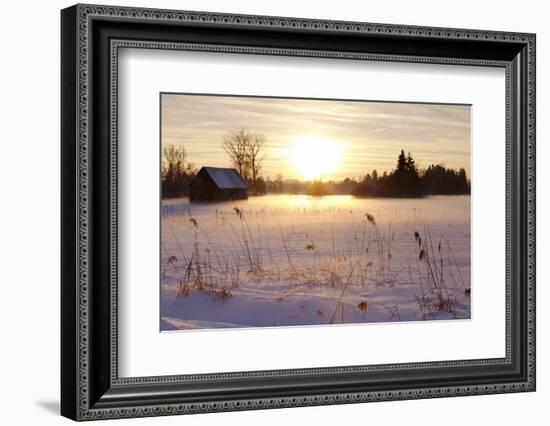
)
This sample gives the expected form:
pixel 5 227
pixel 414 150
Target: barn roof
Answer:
pixel 226 178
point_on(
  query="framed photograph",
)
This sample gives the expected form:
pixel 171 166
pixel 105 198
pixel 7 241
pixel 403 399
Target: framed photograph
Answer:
pixel 263 212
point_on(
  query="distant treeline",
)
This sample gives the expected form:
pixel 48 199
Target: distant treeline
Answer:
pixel 404 181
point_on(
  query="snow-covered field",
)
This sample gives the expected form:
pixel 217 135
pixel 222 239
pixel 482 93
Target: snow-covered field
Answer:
pixel 282 260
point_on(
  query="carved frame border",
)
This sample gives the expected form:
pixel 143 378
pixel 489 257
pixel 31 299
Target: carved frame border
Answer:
pixel 85 14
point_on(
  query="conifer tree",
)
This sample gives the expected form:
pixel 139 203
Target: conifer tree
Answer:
pixel 401 163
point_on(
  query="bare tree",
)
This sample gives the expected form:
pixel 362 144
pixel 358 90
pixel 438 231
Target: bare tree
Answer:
pixel 254 151
pixel 245 150
pixel 176 171
pixel 173 160
pixel 235 145
pixel 279 183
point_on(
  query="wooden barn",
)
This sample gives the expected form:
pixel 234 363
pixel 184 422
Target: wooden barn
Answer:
pixel 217 184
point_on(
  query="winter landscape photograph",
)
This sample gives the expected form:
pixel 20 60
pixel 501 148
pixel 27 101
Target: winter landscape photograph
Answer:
pixel 298 212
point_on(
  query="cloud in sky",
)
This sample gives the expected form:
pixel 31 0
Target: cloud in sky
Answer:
pixel 369 134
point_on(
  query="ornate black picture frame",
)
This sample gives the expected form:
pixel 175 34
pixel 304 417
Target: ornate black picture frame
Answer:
pixel 91 387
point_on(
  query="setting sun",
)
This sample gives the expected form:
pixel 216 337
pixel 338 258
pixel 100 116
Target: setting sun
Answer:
pixel 314 157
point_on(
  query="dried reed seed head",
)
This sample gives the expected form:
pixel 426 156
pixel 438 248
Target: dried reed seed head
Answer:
pixel 238 212
pixel 422 254
pixel 370 218
pixel 362 306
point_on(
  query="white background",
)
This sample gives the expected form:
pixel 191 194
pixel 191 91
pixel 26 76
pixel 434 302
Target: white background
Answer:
pixel 29 229
pixel 146 352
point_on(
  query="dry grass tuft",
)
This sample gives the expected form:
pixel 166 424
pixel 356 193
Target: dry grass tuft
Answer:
pixel 434 267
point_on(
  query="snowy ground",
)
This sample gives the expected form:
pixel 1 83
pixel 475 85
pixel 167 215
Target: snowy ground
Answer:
pixel 296 260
